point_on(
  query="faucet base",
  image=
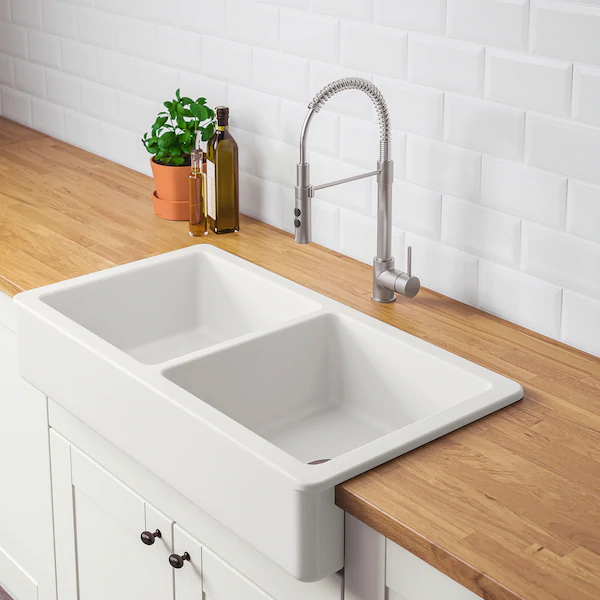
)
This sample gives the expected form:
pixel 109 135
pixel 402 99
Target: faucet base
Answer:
pixel 380 292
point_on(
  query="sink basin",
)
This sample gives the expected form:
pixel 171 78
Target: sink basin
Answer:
pixel 327 386
pixel 170 307
pixel 270 394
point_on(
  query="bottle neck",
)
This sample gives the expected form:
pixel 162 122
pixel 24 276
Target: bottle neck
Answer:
pixel 222 127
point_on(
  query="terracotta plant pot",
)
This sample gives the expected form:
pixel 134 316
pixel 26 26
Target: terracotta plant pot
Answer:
pixel 171 211
pixel 171 195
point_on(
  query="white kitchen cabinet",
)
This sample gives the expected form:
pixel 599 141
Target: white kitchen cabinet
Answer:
pixel 98 523
pixel 100 554
pixel 26 536
pixel 378 569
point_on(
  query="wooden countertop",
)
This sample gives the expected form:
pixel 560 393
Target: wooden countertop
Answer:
pixel 508 506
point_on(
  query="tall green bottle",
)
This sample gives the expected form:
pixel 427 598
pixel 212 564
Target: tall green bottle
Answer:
pixel 222 177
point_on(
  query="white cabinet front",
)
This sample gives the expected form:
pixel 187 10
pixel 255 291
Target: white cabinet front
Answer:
pixel 98 524
pixel 111 543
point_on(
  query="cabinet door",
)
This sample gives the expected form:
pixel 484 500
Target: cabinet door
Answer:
pixel 26 535
pixel 98 524
pixel 222 582
pixel 205 576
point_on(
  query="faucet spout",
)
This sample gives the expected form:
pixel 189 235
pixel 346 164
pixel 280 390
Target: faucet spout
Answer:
pixel 387 280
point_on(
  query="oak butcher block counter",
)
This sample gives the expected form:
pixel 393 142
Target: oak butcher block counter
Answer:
pixel 509 506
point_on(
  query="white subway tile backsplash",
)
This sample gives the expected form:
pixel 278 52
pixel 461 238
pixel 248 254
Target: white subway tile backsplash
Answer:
pixel 135 37
pixel 355 196
pixel 27 13
pixel 134 113
pixel 179 49
pixel 13 40
pixel 361 10
pixel 583 210
pixel 520 298
pixel 7 71
pixel 253 23
pixel 444 269
pixel 566 31
pixel 211 20
pixel 197 86
pixel 153 81
pixel 60 18
pixel 484 126
pixel 310 35
pixel 4 10
pixel 419 15
pixel 563 147
pixel 30 78
pixel 44 49
pixel 416 109
pixel 79 59
pixel 96 27
pixel 481 231
pixel 358 236
pixel 494 22
pixel 562 259
pixel 417 209
pixel 538 84
pixel 99 101
pixel 581 322
pixel 16 106
pixel 446 64
pixel 523 191
pixel 586 92
pixel 114 70
pixel 281 74
pixel 254 111
pixel 474 89
pixel 63 89
pixel 443 167
pixel 276 161
pixel 380 50
pixel 226 60
pixel 326 224
pixel 48 118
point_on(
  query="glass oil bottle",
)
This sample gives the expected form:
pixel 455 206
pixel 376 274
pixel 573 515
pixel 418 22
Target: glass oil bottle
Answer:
pixel 198 219
pixel 222 177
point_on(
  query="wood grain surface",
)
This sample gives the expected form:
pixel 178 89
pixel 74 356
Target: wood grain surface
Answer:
pixel 509 506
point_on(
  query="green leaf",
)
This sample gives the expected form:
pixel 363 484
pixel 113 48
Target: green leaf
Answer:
pixel 201 101
pixel 208 132
pixel 178 160
pixel 186 137
pixel 167 139
pixel 160 121
pixel 186 101
pixel 177 94
pixel 198 111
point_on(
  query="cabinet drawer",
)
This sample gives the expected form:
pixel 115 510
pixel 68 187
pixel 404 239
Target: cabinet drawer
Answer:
pixel 410 578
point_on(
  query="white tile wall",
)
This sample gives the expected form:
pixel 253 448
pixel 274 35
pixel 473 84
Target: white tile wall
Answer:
pixel 495 108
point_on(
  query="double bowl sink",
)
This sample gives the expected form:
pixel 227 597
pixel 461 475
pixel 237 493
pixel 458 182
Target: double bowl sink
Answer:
pixel 249 394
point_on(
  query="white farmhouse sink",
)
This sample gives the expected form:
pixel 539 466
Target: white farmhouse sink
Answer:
pixel 246 378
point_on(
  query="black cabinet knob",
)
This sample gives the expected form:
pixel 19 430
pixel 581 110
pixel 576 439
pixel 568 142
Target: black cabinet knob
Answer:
pixel 177 561
pixel 148 538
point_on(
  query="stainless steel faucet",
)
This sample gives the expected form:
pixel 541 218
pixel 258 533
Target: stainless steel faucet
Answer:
pixel 387 280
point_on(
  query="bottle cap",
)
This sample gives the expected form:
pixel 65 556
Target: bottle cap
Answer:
pixel 222 116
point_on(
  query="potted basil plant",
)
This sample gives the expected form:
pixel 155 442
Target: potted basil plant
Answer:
pixel 171 141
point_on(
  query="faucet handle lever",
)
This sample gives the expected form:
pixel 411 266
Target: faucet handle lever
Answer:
pixel 409 261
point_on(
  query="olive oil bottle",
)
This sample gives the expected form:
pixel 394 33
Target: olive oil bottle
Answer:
pixel 198 219
pixel 222 177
